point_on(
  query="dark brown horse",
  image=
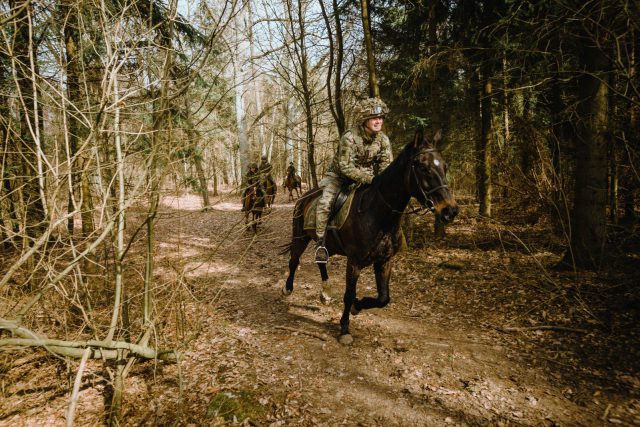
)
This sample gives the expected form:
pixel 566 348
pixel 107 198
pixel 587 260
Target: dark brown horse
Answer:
pixel 293 182
pixel 254 203
pixel 371 233
pixel 270 189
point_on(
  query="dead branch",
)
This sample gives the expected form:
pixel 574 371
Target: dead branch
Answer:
pixel 76 387
pixel 76 349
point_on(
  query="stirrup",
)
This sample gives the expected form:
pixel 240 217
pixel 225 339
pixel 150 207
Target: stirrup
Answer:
pixel 322 255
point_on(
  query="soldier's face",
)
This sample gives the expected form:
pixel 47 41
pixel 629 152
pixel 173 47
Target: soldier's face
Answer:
pixel 374 125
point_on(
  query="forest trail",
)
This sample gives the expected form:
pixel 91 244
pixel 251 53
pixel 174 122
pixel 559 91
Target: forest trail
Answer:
pixel 441 353
pixel 434 356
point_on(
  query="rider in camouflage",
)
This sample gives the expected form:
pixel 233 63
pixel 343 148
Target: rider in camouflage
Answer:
pixel 252 179
pixel 265 170
pixel 363 152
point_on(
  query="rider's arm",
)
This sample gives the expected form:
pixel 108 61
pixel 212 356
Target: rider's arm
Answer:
pixel 346 161
pixel 386 155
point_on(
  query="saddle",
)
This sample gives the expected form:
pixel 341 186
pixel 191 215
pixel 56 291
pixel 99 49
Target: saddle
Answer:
pixel 339 209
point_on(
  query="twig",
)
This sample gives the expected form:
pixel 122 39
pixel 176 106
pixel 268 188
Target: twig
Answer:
pixel 76 388
pixel 541 328
pixel 322 337
pixel 606 412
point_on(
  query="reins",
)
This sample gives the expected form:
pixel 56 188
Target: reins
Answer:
pixel 426 202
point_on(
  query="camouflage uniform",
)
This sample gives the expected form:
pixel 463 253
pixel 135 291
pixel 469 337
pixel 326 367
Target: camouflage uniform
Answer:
pixel 358 159
pixel 265 169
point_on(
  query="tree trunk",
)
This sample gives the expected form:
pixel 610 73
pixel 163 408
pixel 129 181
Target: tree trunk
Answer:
pixel 588 217
pixel 434 107
pixel 306 91
pixel 631 135
pixel 506 134
pixel 613 184
pixel 214 166
pixel 23 64
pixel 78 131
pixel 197 155
pixel 8 218
pixel 336 54
pixel 374 90
pixel 484 151
pixel 241 122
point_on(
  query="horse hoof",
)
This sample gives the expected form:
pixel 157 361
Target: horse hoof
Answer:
pixel 354 310
pixel 286 292
pixel 345 339
pixel 325 298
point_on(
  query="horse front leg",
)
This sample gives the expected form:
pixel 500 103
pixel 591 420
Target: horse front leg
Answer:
pixel 256 220
pixel 298 245
pixel 325 291
pixel 353 273
pixel 383 274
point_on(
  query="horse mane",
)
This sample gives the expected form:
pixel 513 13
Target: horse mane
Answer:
pixel 397 166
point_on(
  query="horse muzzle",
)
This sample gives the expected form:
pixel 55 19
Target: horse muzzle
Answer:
pixel 448 212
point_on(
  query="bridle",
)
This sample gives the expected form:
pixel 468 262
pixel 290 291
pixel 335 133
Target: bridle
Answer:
pixel 426 201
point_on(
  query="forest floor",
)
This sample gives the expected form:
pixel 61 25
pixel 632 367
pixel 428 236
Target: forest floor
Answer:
pixel 480 331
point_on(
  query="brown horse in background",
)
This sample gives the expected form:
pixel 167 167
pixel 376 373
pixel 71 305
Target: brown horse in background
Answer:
pixel 371 234
pixel 254 203
pixel 270 189
pixel 293 182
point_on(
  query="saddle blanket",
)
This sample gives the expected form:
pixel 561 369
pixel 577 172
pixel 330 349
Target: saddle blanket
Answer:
pixel 338 219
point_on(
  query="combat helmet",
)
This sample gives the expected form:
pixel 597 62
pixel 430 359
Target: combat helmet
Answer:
pixel 370 108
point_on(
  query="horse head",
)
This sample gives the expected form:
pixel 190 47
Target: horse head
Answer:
pixel 428 176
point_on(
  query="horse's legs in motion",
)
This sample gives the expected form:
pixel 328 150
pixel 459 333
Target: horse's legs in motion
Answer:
pixel 325 295
pixel 256 219
pixel 353 273
pixel 298 245
pixel 383 273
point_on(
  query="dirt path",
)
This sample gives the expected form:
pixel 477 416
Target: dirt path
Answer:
pixel 432 357
pixel 439 354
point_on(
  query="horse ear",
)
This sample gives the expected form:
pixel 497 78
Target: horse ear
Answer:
pixel 437 138
pixel 418 139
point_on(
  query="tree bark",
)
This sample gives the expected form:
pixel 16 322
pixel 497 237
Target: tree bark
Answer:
pixel 588 216
pixel 336 58
pixel 77 130
pixel 23 65
pixel 374 90
pixel 484 152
